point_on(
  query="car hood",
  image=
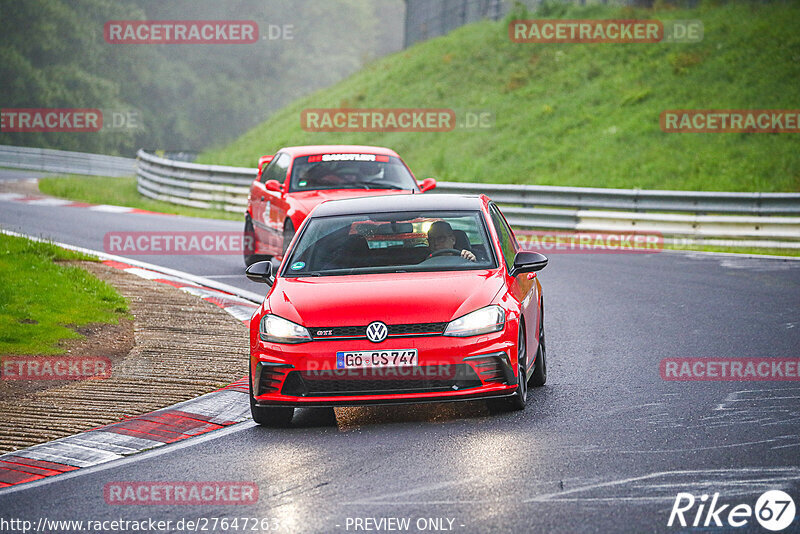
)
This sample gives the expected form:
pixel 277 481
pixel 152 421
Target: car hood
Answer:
pixel 397 298
pixel 308 200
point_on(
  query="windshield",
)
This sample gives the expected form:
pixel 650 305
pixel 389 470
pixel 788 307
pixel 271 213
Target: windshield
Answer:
pixel 350 171
pixel 391 242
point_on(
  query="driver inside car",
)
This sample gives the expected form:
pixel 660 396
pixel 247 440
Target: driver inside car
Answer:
pixel 441 237
pixel 323 175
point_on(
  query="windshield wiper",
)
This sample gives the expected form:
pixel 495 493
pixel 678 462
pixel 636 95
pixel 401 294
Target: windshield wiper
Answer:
pixel 382 185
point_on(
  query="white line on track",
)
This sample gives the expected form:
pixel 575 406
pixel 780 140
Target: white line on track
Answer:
pixel 110 209
pixel 48 201
pixel 145 455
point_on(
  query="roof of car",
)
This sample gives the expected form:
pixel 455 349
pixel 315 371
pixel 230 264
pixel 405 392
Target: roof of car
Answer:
pixel 296 151
pixel 387 203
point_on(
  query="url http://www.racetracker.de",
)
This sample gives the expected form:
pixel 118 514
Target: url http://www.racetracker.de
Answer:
pixel 194 524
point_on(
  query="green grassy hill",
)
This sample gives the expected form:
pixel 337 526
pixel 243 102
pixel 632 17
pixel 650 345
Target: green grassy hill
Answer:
pixel 578 114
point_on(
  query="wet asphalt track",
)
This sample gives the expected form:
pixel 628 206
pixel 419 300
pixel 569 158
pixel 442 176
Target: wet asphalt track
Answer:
pixel 604 447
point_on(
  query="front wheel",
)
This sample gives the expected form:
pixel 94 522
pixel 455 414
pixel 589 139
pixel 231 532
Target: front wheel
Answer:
pixel 539 376
pixel 249 248
pixel 519 400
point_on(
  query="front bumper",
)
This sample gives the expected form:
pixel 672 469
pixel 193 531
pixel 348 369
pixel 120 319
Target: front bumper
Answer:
pixel 449 369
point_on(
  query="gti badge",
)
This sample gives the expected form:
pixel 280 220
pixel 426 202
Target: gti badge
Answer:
pixel 377 331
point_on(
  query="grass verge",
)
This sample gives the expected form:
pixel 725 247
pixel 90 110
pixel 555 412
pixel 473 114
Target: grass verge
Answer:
pixel 576 114
pixel 42 301
pixel 120 192
pixel 791 252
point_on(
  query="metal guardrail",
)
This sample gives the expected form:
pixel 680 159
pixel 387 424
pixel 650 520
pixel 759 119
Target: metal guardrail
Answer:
pixel 62 161
pixel 714 218
pixel 698 202
pixel 191 184
pixel 763 219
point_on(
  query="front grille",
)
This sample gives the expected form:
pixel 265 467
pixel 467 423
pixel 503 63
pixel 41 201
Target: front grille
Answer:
pixel 419 328
pixel 338 331
pixel 424 379
pixel 360 332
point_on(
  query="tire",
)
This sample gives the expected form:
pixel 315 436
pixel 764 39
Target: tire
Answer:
pixel 250 259
pixel 519 399
pixel 278 416
pixel 539 376
pixel 288 235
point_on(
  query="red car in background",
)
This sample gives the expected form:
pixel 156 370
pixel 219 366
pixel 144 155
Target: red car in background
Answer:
pixel 403 299
pixel 296 179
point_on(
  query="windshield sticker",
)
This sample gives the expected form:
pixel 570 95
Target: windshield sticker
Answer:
pixel 346 157
pixel 298 265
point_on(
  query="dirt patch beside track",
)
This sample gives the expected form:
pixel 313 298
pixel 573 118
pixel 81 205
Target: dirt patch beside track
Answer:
pixel 25 187
pixel 183 347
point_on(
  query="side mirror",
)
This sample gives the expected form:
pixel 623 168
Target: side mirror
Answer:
pixel 273 185
pixel 528 262
pixel 427 184
pixel 263 160
pixel 260 271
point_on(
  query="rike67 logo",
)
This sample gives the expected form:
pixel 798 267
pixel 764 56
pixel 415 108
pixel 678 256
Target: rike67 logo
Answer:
pixel 774 510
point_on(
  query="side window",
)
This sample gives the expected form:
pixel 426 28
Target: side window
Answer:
pixel 281 167
pixel 276 170
pixel 266 170
pixel 507 242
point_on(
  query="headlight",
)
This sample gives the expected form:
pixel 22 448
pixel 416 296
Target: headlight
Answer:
pixel 483 321
pixel 279 330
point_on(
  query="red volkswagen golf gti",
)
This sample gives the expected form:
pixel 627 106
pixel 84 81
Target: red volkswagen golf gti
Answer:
pixel 398 299
pixel 293 181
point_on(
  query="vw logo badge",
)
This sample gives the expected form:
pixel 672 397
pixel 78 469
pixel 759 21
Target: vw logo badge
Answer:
pixel 377 331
